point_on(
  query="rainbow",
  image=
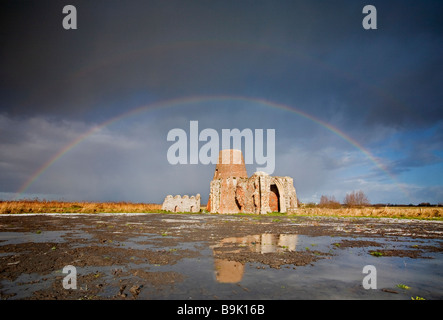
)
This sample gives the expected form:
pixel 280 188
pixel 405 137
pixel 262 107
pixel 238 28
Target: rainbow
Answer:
pixel 194 100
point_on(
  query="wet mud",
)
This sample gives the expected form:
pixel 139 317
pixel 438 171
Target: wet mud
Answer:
pixel 178 256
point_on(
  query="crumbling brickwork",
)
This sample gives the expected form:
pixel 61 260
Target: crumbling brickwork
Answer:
pixel 231 191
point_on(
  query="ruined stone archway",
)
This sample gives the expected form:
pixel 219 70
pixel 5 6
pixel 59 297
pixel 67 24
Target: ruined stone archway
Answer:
pixel 231 190
pixel 274 199
pixel 281 194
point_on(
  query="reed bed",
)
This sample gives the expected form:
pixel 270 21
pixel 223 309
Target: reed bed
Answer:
pixel 390 212
pixel 44 206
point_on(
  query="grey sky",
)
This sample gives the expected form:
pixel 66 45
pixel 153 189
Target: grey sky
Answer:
pixel 381 88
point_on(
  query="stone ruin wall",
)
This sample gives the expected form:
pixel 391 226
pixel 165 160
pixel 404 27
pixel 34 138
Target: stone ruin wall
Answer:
pixel 182 204
pixel 231 191
pixel 251 195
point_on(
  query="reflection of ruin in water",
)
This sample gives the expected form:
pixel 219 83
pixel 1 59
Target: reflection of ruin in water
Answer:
pixel 227 271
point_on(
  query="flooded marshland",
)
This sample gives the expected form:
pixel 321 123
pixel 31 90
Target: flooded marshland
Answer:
pixel 203 256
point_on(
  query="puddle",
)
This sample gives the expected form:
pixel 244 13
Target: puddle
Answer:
pixel 24 285
pixel 338 276
pixel 263 243
pixel 7 238
pixel 193 258
pixel 37 237
pixel 232 270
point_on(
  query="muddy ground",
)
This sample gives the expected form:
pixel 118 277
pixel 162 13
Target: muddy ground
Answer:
pixel 132 256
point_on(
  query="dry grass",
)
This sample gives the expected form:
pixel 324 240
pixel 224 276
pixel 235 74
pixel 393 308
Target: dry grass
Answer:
pixel 392 212
pixel 42 206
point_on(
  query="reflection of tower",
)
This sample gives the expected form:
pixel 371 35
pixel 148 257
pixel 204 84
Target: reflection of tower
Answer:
pixel 228 271
pixel 231 271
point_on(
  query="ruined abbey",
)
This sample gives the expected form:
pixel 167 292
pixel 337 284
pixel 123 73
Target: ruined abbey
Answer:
pixel 232 191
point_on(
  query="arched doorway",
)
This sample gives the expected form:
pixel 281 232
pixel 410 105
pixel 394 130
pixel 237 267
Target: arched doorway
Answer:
pixel 274 199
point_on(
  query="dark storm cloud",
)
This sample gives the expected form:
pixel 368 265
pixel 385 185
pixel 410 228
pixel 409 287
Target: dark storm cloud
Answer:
pixel 313 54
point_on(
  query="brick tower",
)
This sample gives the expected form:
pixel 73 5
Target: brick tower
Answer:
pixel 230 167
pixel 230 164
